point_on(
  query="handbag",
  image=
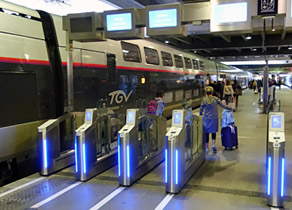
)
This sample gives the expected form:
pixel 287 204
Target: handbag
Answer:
pixel 238 91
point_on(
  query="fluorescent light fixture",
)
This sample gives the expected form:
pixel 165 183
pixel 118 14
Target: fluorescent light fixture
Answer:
pixel 45 153
pixel 165 173
pixel 291 9
pixel 230 13
pixel 75 6
pixel 128 162
pixel 248 37
pixel 259 62
pixel 119 22
pixel 163 18
pixel 76 152
pixel 119 155
pixel 269 176
pixel 282 177
pixel 176 166
pixel 84 158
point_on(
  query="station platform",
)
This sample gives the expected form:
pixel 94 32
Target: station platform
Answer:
pixel 228 180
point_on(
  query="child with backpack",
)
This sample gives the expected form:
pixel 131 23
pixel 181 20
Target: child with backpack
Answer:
pixel 156 106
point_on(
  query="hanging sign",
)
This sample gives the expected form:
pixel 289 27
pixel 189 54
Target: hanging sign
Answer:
pixel 267 7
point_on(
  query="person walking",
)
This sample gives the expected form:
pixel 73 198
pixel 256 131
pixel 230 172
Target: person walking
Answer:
pixel 237 91
pixel 210 119
pixel 228 92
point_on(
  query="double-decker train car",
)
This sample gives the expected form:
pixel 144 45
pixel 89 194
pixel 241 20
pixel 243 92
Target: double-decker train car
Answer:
pixel 33 63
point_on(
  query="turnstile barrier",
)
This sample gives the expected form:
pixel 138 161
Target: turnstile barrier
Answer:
pixel 184 152
pixel 96 142
pixel 276 159
pixel 140 145
pixel 52 159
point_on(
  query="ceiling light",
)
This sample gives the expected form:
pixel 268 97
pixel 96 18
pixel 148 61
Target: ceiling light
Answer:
pixel 289 48
pixel 166 42
pixel 254 49
pixel 248 37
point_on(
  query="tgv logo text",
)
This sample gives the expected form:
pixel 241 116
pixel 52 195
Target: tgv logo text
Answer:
pixel 118 96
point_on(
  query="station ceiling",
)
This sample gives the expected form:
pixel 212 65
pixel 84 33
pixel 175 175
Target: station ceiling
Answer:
pixel 271 44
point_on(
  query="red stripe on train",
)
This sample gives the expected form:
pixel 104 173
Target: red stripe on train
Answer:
pixel 24 61
pixel 89 65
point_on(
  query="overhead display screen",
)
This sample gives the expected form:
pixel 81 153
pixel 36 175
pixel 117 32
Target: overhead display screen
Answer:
pixel 163 18
pixel 229 13
pixel 276 121
pixel 177 118
pixel 119 22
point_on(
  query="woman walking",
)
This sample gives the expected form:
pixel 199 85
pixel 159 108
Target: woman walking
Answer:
pixel 228 92
pixel 210 119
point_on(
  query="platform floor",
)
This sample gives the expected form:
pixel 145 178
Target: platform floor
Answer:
pixel 228 180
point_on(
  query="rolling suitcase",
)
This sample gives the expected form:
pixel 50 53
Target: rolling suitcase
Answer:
pixel 229 137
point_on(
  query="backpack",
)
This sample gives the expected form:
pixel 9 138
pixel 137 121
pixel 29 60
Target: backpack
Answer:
pixel 152 107
pixel 227 118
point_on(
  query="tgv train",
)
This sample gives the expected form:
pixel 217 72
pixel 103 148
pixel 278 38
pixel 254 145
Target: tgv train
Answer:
pixel 34 85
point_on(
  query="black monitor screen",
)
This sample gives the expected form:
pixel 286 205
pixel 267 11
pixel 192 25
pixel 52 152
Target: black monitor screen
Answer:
pixel 78 25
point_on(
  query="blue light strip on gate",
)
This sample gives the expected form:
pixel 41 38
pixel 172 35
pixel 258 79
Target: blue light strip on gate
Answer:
pixel 165 173
pixel 128 162
pixel 45 153
pixel 119 156
pixel 269 175
pixel 176 167
pixel 76 160
pixel 84 158
pixel 282 177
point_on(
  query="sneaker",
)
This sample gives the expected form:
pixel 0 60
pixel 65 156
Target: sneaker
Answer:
pixel 214 149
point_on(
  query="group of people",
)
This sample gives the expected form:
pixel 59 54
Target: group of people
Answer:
pixel 227 91
pixel 209 106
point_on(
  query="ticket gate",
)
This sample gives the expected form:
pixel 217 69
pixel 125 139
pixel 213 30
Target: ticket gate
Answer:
pixel 51 157
pixel 184 151
pixel 96 143
pixel 141 143
pixel 276 159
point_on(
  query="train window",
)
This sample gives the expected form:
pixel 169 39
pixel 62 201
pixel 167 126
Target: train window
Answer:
pixel 166 59
pixel 195 64
pixel 151 56
pixel 202 65
pixel 131 52
pixel 178 61
pixel 188 63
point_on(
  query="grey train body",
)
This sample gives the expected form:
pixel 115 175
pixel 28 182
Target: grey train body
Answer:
pixel 33 62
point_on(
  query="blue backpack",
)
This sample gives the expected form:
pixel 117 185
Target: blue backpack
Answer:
pixel 227 118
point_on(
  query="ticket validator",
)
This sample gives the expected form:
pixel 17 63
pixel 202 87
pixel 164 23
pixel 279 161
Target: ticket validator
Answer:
pixel 184 151
pixel 141 144
pixel 174 155
pixel 276 159
pixel 87 163
pixel 127 139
